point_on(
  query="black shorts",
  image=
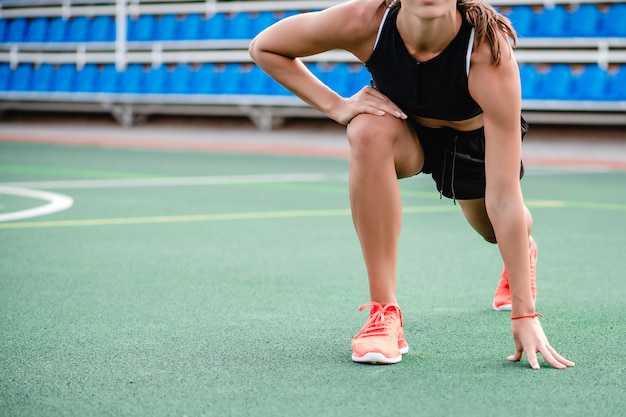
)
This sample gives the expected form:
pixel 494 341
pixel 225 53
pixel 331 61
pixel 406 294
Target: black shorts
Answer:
pixel 456 160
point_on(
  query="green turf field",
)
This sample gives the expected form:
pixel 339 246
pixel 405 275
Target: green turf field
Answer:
pixel 206 284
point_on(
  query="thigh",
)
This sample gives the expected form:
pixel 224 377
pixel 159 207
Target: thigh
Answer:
pixel 476 214
pixel 387 133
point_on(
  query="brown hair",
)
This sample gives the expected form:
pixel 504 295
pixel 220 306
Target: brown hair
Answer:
pixel 489 25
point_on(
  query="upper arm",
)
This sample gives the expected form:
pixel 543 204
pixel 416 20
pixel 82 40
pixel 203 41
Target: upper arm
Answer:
pixel 496 88
pixel 351 26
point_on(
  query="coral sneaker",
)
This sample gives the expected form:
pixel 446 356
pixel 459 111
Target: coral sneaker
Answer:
pixel 502 300
pixel 381 340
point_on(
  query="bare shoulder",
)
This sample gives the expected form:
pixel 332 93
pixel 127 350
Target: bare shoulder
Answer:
pixel 487 77
pixel 351 26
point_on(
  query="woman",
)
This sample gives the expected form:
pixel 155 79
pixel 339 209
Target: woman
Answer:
pixel 445 100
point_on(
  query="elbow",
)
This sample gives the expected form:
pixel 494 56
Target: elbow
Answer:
pixel 253 50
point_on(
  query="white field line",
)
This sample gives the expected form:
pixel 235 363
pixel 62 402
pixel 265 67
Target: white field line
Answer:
pixel 56 203
pixel 181 181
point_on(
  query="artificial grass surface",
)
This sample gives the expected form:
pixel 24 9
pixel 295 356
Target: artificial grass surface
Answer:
pixel 174 315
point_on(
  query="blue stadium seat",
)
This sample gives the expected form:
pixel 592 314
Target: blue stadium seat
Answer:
pixel 592 84
pixel 22 78
pixel 522 18
pixel 37 30
pixel 617 84
pixel 229 79
pixel 530 79
pixel 261 22
pixel 141 29
pixel 360 77
pixel 42 78
pixel 57 31
pixel 551 22
pixel 322 71
pixel 339 79
pixel 213 27
pixel 4 24
pixel 180 79
pixel 63 79
pixel 17 30
pixel 131 79
pixel 167 28
pixel 156 79
pixel 237 26
pixel 78 29
pixel 204 80
pixel 556 84
pixel 584 21
pixel 86 78
pixel 615 20
pixel 190 27
pixel 108 79
pixel 5 76
pixel 102 29
pixel 254 81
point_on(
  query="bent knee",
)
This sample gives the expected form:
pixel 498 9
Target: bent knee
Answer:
pixel 367 131
pixel 386 137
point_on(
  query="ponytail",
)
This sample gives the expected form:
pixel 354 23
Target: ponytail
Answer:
pixel 489 25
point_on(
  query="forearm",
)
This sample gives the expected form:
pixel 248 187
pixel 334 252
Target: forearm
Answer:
pixel 509 222
pixel 293 75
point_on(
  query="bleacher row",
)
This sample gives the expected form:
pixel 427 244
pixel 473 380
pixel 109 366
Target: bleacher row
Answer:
pixel 572 60
pixel 559 82
pixel 587 20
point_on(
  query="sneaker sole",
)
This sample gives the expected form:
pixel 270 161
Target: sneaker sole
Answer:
pixel 375 358
pixel 503 307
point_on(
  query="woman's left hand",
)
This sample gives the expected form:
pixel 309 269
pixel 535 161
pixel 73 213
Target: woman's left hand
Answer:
pixel 530 339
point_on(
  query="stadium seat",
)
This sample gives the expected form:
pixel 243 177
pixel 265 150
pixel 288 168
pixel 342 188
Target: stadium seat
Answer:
pixel 556 84
pixel 615 20
pixel 78 29
pixel 156 79
pixel 63 78
pixel 584 21
pixel 131 79
pixel 190 27
pixel 86 78
pixel 261 22
pixel 237 26
pixel 37 30
pixel 42 78
pixel 339 79
pixel 167 28
pixel 360 78
pixel 592 84
pixel 213 27
pixel 102 29
pixel 522 19
pixel 179 79
pixel 141 29
pixel 617 84
pixel 3 29
pixel 22 78
pixel 254 81
pixel 108 79
pixel 530 78
pixel 17 30
pixel 230 78
pixel 551 22
pixel 203 81
pixel 58 29
pixel 5 76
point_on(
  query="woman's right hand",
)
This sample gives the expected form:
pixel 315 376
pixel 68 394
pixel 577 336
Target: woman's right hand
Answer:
pixel 369 101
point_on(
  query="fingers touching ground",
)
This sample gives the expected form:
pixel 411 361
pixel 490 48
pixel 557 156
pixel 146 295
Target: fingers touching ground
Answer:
pixel 530 339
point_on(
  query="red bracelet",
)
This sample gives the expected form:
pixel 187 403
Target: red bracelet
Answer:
pixel 530 316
